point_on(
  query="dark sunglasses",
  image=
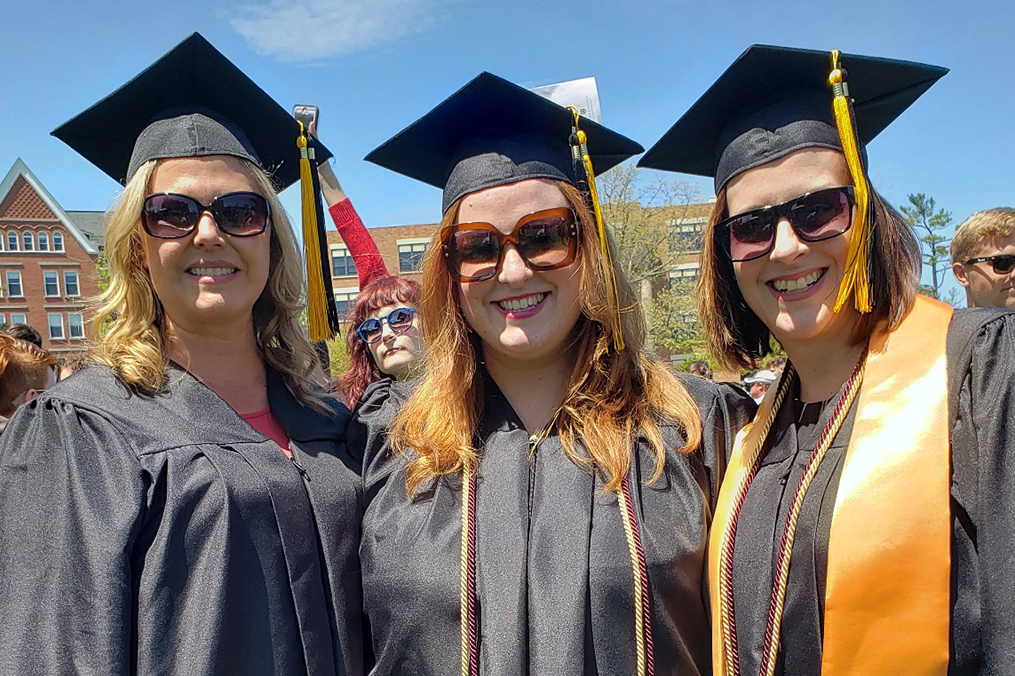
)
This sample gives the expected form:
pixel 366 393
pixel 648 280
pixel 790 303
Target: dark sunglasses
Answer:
pixel 814 217
pixel 399 321
pixel 1002 264
pixel 171 216
pixel 546 240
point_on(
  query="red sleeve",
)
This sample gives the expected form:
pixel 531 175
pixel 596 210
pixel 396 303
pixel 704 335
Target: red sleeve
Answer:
pixel 369 264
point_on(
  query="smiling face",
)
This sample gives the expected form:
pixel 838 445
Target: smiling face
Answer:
pixel 984 287
pixel 396 353
pixel 520 314
pixel 208 279
pixel 793 288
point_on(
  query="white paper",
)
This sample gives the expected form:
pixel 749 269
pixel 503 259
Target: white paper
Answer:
pixel 582 94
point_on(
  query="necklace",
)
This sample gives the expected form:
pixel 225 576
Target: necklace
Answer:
pixel 727 617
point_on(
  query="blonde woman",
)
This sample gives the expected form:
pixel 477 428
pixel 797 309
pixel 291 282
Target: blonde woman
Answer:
pixel 540 503
pixel 188 506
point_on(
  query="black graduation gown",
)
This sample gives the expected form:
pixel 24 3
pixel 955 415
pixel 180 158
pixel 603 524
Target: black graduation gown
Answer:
pixel 554 578
pixel 981 375
pixel 164 535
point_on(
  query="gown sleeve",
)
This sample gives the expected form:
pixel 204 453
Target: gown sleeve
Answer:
pixel 369 263
pixel 368 431
pixel 982 374
pixel 72 497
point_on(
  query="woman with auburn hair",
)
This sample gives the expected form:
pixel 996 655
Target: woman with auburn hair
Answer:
pixel 384 341
pixel 866 521
pixel 538 501
pixel 188 505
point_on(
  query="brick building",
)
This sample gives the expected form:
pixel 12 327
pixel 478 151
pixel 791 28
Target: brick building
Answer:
pixel 47 264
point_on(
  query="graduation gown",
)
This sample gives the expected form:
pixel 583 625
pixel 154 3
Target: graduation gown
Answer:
pixel 164 535
pixel 554 578
pixel 981 404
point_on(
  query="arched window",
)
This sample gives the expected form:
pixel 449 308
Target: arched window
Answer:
pixel 28 240
pixel 12 241
pixel 57 241
pixel 43 241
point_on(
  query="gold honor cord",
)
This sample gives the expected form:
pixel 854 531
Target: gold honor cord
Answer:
pixel 581 151
pixel 642 618
pixel 467 585
pixel 857 275
pixel 317 310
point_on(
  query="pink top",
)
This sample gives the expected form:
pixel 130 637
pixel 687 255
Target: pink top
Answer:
pixel 265 422
pixel 369 264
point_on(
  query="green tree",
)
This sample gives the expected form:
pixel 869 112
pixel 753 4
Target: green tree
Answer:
pixel 930 226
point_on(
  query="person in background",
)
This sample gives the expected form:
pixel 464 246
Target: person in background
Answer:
pixel 24 332
pixel 983 258
pixel 72 365
pixel 758 384
pixel 383 339
pixel 26 371
pixel 776 365
pixel 701 369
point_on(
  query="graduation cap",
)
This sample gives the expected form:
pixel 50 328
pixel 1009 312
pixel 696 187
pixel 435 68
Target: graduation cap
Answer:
pixel 492 132
pixel 775 100
pixel 194 102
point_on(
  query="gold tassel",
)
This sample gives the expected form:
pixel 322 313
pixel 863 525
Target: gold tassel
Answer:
pixel 856 278
pixel 317 310
pixel 613 292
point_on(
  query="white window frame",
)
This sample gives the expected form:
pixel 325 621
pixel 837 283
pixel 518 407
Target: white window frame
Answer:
pixel 71 324
pixel 410 244
pixel 14 274
pixel 3 319
pixel 45 283
pixel 16 241
pixel 19 318
pixel 77 284
pixel 348 296
pixel 342 252
pixel 49 326
pixel 40 237
pixel 27 241
pixel 58 238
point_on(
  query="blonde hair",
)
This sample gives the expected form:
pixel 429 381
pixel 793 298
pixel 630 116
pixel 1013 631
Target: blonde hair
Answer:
pixel 969 236
pixel 612 397
pixel 23 367
pixel 131 316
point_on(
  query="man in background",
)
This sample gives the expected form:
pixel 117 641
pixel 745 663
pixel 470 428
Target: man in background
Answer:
pixel 25 371
pixel 758 384
pixel 983 258
pixel 24 332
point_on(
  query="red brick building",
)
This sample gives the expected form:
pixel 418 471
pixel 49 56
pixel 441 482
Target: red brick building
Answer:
pixel 47 264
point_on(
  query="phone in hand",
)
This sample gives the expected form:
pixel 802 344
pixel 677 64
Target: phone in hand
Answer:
pixel 307 114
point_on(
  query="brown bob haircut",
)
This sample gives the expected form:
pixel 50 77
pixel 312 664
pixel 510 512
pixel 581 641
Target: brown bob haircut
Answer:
pixel 738 339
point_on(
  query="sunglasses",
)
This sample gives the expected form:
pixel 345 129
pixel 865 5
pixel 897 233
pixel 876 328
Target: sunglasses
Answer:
pixel 171 216
pixel 1002 264
pixel 546 240
pixel 399 321
pixel 814 217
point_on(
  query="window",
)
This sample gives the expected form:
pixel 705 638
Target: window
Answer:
pixel 344 301
pixel 55 326
pixel 3 319
pixel 52 283
pixel 70 284
pixel 14 289
pixel 12 241
pixel 75 325
pixel 43 241
pixel 57 241
pixel 687 235
pixel 684 272
pixel 29 241
pixel 19 318
pixel 342 264
pixel 410 256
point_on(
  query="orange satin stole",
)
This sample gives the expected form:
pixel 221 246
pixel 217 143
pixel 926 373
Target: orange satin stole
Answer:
pixel 887 595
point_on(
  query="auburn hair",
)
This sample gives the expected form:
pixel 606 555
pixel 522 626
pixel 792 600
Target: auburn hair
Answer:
pixel 612 398
pixel 738 339
pixel 380 292
pixel 23 367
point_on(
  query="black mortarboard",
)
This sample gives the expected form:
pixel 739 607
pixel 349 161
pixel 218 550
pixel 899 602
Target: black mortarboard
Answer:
pixel 492 132
pixel 191 102
pixel 774 100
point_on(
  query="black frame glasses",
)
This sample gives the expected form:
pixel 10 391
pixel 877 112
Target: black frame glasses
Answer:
pixel 533 237
pixel 814 217
pixel 375 326
pixel 168 215
pixel 1002 264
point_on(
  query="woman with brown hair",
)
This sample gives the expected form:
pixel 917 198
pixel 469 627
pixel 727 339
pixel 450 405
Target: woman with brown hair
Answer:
pixel 188 505
pixel 539 501
pixel 866 521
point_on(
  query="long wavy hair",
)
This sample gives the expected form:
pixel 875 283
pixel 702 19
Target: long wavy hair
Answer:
pixel 612 398
pixel 380 292
pixel 131 340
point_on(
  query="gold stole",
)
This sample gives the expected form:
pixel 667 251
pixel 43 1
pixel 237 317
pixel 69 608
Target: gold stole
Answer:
pixel 887 595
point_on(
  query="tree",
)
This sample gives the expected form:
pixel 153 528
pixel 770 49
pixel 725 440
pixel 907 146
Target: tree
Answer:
pixel 929 225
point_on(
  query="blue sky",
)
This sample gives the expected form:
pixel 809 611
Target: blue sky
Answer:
pixel 373 66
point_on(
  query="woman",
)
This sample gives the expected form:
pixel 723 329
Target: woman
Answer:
pixel 385 340
pixel 26 371
pixel 540 502
pixel 189 506
pixel 865 523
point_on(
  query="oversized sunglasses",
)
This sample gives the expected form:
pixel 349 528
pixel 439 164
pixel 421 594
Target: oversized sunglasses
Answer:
pixel 546 240
pixel 171 216
pixel 814 217
pixel 1002 264
pixel 399 321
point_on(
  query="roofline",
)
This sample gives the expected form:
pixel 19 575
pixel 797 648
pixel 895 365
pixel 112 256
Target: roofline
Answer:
pixel 21 169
